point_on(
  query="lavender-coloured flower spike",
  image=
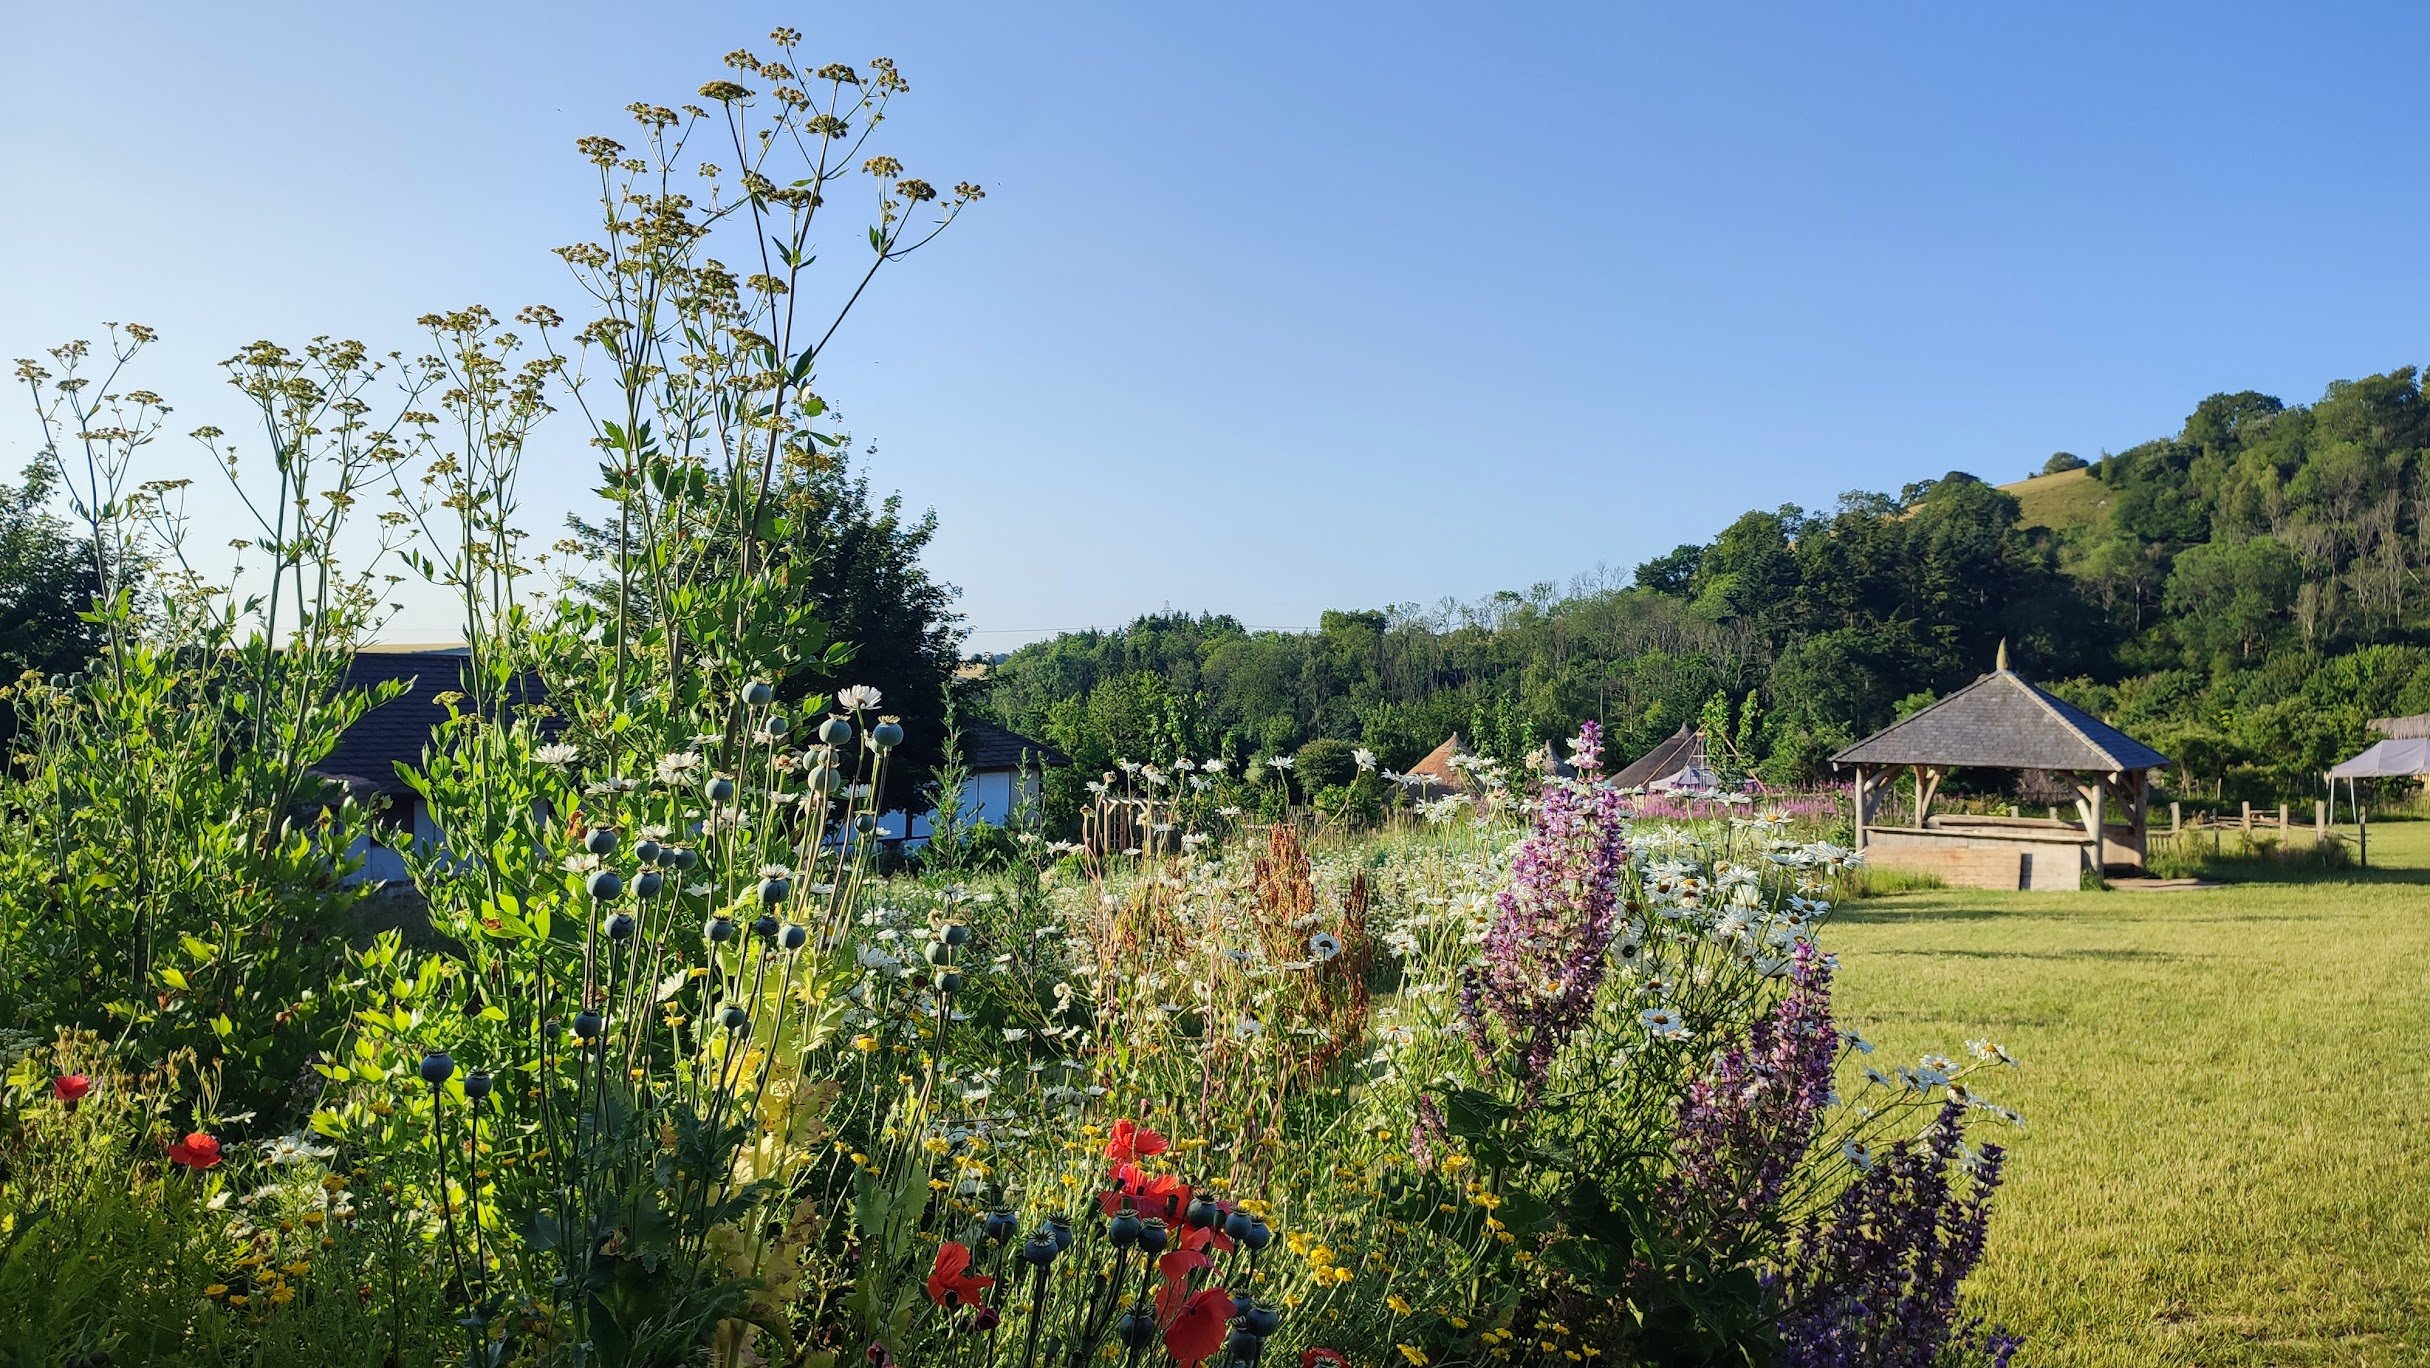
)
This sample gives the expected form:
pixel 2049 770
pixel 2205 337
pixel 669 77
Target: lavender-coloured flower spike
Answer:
pixel 1744 1126
pixel 1874 1281
pixel 1543 958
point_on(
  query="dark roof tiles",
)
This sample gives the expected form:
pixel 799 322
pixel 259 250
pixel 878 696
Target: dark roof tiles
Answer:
pixel 986 746
pixel 2000 721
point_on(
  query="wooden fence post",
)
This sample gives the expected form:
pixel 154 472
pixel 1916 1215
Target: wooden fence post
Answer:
pixel 2176 818
pixel 2248 815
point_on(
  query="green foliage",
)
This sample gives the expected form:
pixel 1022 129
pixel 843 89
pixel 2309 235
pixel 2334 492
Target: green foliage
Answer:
pixel 2061 461
pixel 1324 763
pixel 2215 593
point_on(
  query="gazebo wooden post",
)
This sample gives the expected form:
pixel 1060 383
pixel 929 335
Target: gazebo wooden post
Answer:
pixel 2140 787
pixel 1927 786
pixel 2095 816
pixel 1863 803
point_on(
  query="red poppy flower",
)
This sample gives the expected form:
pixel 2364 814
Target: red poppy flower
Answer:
pixel 1134 1141
pixel 197 1151
pixel 1164 1195
pixel 1198 1331
pixel 949 1283
pixel 1175 1267
pixel 70 1089
pixel 1193 1237
pixel 1309 1358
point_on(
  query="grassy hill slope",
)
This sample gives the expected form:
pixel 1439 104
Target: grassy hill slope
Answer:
pixel 2071 498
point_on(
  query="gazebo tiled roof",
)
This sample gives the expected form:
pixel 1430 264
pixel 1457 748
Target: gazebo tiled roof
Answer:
pixel 2001 721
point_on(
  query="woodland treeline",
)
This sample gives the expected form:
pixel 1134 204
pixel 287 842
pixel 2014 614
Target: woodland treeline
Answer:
pixel 2244 595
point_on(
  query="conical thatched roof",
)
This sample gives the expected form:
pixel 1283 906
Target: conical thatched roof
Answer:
pixel 1683 750
pixel 2001 721
pixel 1440 774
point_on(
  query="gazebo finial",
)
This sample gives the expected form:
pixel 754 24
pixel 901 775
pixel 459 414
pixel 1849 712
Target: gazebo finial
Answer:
pixel 2000 662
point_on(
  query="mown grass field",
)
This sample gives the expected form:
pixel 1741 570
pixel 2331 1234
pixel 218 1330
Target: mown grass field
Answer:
pixel 2227 1092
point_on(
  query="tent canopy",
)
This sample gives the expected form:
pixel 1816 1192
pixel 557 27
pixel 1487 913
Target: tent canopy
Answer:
pixel 2397 759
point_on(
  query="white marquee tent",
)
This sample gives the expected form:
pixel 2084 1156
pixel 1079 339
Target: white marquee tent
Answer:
pixel 2393 759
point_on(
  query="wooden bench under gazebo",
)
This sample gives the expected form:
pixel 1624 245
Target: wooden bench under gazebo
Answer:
pixel 2002 721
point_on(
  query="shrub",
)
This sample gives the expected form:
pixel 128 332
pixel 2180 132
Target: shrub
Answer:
pixel 1325 763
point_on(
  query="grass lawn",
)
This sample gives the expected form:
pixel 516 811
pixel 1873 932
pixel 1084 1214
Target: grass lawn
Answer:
pixel 2227 1096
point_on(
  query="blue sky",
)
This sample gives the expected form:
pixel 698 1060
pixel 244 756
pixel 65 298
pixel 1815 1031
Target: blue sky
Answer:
pixel 1273 308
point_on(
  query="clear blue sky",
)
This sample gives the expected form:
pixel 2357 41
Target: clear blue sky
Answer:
pixel 1280 307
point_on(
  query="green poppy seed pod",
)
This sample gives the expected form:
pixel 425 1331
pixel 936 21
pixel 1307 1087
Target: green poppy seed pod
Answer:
pixel 886 735
pixel 605 884
pixel 947 981
pixel 620 926
pixel 1260 1319
pixel 684 858
pixel 866 823
pixel 1203 1213
pixel 772 890
pixel 600 841
pixel 793 937
pixel 1000 1225
pixel 955 933
pixel 1154 1235
pixel 1260 1235
pixel 938 952
pixel 835 731
pixel 437 1068
pixel 647 851
pixel 589 1025
pixel 1122 1232
pixel 734 1018
pixel 718 931
pixel 758 694
pixel 1060 1227
pixel 476 1085
pixel 648 884
pixel 1136 1329
pixel 766 928
pixel 1040 1250
pixel 719 789
pixel 1243 1346
pixel 826 780
pixel 777 724
pixel 1236 1225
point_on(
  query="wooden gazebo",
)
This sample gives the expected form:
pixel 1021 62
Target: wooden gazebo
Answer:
pixel 2002 721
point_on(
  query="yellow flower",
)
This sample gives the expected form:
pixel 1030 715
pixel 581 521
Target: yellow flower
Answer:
pixel 1412 1353
pixel 1398 1303
pixel 216 1290
pixel 864 1043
